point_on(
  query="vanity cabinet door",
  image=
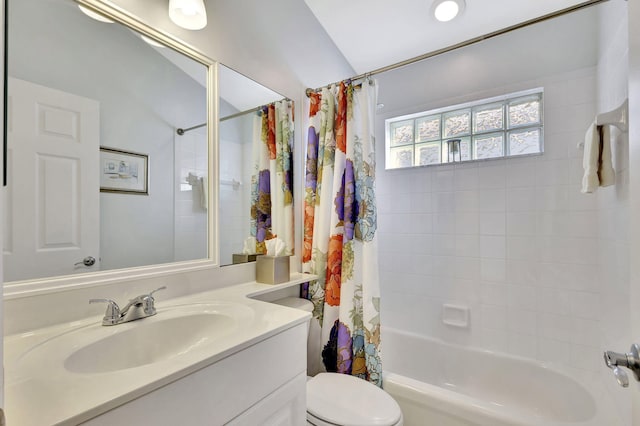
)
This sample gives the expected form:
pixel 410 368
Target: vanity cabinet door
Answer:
pixel 286 406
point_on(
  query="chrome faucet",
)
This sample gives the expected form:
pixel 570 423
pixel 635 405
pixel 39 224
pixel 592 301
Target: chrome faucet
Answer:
pixel 630 360
pixel 139 307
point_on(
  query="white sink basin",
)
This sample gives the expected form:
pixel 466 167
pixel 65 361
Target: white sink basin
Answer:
pixel 173 332
pixel 149 342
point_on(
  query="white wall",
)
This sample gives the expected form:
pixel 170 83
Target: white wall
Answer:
pixel 613 202
pixel 513 239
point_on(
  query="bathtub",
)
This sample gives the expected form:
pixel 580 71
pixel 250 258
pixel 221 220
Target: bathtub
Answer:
pixel 440 384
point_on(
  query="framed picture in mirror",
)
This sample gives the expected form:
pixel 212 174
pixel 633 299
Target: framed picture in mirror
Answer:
pixel 124 172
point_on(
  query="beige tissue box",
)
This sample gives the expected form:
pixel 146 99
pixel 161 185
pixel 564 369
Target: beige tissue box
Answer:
pixel 243 258
pixel 272 269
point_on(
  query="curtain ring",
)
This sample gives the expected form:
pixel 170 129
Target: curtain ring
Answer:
pixel 367 76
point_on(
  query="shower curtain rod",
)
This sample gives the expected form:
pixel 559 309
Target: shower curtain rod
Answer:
pixel 181 131
pixel 466 43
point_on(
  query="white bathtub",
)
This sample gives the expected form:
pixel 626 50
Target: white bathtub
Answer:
pixel 440 384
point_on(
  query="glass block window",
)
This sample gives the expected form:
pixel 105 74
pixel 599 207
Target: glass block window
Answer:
pixel 505 126
pixel 489 146
pixel 457 123
pixel 428 128
pixel 428 153
pixel 402 133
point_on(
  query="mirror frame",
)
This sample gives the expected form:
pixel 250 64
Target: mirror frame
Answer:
pixel 18 289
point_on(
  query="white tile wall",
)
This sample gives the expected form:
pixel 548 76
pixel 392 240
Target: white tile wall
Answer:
pixel 190 242
pixel 236 163
pixel 544 268
pixel 513 239
pixel 611 306
pixel 234 201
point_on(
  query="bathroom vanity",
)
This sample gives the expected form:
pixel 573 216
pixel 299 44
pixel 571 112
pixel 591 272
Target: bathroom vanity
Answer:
pixel 215 357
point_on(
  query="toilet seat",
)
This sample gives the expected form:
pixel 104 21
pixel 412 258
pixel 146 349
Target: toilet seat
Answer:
pixel 341 399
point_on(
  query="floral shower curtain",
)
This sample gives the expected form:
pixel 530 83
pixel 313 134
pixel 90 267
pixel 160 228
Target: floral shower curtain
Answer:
pixel 340 244
pixel 271 180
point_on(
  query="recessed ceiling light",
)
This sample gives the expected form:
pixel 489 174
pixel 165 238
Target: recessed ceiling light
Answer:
pixel 446 10
pixel 94 15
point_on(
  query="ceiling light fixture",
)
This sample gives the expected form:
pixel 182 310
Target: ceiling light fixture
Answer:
pixel 188 14
pixel 94 15
pixel 446 10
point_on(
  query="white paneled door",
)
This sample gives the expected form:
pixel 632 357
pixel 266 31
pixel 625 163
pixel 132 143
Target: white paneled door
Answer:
pixel 52 199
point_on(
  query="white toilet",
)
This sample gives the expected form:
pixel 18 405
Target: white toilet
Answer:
pixel 335 399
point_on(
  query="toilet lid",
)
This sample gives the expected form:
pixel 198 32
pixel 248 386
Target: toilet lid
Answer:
pixel 349 401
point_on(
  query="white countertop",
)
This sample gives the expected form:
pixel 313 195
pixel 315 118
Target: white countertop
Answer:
pixel 38 393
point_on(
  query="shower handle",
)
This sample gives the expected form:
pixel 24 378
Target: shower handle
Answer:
pixel 630 360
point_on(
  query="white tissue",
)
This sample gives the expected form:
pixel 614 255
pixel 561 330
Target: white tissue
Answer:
pixel 275 247
pixel 249 246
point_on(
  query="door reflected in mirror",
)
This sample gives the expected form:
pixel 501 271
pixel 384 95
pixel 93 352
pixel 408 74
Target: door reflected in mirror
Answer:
pixel 72 92
pixel 256 142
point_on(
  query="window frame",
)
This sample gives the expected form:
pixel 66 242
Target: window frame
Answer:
pixel 506 131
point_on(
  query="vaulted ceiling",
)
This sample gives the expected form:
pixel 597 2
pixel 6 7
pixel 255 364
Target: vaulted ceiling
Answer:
pixel 284 44
pixel 375 33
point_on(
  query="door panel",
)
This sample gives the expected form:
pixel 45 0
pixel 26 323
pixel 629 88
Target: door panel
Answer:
pixel 54 140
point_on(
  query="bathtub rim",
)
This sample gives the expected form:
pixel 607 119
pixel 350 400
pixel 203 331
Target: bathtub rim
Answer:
pixel 591 383
pixel 445 401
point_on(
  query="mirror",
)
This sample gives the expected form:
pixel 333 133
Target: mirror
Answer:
pixel 98 178
pixel 241 102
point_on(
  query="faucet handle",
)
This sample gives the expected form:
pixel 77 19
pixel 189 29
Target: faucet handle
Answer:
pixel 149 301
pixel 164 287
pixel 630 360
pixel 621 377
pixel 112 314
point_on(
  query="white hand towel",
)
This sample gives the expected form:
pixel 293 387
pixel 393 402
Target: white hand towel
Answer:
pixel 598 170
pixel 590 180
pixel 606 174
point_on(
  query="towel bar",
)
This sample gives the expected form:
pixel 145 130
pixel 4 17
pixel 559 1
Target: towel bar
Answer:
pixel 619 117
